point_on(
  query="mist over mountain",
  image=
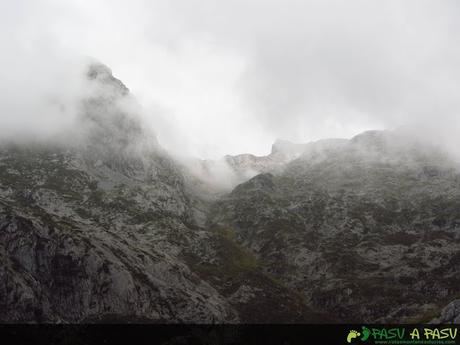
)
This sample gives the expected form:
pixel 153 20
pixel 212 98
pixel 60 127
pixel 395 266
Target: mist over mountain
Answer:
pixel 107 226
pixel 229 162
pixel 226 78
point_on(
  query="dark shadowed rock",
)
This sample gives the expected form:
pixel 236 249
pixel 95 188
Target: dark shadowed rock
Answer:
pixel 450 314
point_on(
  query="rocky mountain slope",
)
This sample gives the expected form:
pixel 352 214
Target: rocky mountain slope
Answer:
pixel 109 227
pixel 85 230
pixel 104 229
pixel 366 230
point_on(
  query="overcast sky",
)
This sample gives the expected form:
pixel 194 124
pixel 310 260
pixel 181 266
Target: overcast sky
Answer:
pixel 224 77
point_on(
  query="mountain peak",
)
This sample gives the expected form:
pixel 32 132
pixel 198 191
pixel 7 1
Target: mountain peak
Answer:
pixel 110 117
pixel 287 148
pixel 372 137
pixel 97 69
pixel 101 73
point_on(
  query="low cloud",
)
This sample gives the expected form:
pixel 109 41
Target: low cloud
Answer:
pixel 217 77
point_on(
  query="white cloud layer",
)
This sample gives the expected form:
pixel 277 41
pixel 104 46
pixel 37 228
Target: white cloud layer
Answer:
pixel 219 77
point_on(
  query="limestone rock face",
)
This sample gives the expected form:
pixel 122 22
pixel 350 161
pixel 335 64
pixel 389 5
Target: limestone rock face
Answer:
pixel 110 228
pixel 366 230
pixel 106 228
pixel 93 231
